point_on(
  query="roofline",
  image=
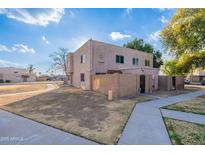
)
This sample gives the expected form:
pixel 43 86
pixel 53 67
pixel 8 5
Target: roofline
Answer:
pixel 119 46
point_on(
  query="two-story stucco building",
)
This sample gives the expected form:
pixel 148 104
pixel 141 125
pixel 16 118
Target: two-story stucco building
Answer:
pixel 95 57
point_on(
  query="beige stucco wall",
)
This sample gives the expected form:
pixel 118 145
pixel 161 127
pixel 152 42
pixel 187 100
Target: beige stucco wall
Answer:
pixel 165 83
pixel 122 85
pixel 148 83
pixel 179 83
pixel 82 68
pixel 104 83
pixel 128 85
pixel 153 72
pixel 104 57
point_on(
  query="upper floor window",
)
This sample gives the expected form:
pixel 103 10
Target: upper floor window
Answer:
pixel 135 61
pixel 119 59
pixel 82 58
pixel 147 62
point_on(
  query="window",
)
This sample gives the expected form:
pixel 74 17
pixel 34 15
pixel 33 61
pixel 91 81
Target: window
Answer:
pixel 82 77
pixel 119 59
pixel 135 61
pixel 82 58
pixel 147 63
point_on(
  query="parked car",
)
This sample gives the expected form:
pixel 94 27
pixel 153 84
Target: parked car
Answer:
pixel 186 81
pixel 203 82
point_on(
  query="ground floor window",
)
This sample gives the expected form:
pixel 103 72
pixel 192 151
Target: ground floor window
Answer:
pixel 82 77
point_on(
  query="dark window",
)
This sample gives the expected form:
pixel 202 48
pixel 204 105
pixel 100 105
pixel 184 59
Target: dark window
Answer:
pixel 119 59
pixel 135 61
pixel 82 77
pixel 147 63
pixel 82 59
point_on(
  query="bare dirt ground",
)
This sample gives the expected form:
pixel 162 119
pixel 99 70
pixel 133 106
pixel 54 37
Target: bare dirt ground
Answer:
pixel 182 132
pixel 9 89
pixel 84 113
pixel 164 94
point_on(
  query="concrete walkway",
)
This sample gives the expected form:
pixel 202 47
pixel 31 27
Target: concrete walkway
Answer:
pixel 18 130
pixel 146 125
pixel 189 117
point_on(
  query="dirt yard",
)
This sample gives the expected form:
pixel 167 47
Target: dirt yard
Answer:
pixel 182 132
pixel 83 113
pixel 164 94
pixel 9 89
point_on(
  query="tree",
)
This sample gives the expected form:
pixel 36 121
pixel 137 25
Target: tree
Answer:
pixel 171 68
pixel 30 69
pixel 60 60
pixel 139 44
pixel 184 37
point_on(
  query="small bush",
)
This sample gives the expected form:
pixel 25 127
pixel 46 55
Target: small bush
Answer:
pixel 8 81
pixel 1 81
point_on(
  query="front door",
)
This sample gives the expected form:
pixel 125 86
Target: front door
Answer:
pixel 174 83
pixel 142 83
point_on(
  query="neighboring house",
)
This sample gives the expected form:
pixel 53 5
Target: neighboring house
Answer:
pixel 98 58
pixel 12 74
pixel 197 76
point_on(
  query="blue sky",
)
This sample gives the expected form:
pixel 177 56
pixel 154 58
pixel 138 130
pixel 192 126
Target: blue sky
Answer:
pixel 29 36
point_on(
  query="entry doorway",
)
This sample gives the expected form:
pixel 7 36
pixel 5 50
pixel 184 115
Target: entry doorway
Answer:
pixel 174 83
pixel 142 83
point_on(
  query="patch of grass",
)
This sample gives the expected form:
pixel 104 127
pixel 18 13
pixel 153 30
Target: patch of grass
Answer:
pixel 195 105
pixel 182 132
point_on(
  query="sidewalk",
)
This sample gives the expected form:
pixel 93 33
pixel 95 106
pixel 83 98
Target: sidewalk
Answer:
pixel 146 125
pixel 18 130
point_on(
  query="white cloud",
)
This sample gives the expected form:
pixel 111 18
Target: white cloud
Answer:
pixel 154 36
pixel 5 63
pixel 163 20
pixel 4 48
pixel 118 36
pixel 17 47
pixel 41 17
pixel 45 39
pixel 128 11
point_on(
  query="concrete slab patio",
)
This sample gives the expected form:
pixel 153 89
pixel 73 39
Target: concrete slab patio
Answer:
pixel 18 130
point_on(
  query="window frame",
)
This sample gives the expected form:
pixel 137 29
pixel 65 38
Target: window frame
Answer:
pixel 119 59
pixel 82 58
pixel 82 77
pixel 135 61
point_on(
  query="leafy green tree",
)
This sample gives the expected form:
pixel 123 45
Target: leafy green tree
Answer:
pixel 184 37
pixel 139 44
pixel 171 68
